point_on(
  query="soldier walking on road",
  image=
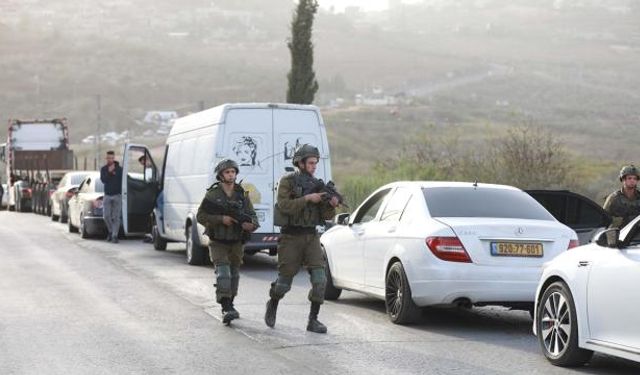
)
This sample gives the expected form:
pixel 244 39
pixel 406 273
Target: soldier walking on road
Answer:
pixel 298 211
pixel 624 205
pixel 111 177
pixel 227 213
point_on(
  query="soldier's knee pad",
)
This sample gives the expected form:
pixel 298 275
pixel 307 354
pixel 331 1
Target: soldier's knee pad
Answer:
pixel 223 279
pixel 280 287
pixel 318 284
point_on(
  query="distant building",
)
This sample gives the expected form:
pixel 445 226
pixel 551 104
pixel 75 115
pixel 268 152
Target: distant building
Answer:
pixel 160 118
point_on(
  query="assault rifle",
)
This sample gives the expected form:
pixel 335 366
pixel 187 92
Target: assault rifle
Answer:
pixel 233 209
pixel 312 185
pixel 330 191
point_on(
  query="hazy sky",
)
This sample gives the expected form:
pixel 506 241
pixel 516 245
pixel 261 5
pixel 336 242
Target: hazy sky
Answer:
pixel 364 4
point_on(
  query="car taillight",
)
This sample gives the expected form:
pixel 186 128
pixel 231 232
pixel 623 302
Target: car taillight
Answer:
pixel 97 203
pixel 573 243
pixel 26 192
pixel 448 248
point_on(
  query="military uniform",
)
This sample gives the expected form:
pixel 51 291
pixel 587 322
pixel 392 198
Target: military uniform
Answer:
pixel 622 209
pixel 299 243
pixel 226 243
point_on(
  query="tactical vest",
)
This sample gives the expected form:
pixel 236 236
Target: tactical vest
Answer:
pixel 223 232
pixel 310 216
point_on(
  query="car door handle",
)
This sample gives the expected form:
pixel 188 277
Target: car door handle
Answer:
pixel 391 230
pixel 359 232
pixel 583 263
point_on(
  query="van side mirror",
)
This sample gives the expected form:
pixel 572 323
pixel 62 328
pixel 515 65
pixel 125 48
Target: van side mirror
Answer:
pixel 342 219
pixel 608 238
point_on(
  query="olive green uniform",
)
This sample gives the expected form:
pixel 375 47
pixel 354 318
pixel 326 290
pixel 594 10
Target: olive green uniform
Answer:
pixel 226 242
pixel 299 243
pixel 622 209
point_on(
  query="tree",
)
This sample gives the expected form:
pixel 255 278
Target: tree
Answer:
pixel 302 79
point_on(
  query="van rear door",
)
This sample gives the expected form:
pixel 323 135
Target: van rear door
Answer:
pixel 139 189
pixel 248 140
pixel 292 128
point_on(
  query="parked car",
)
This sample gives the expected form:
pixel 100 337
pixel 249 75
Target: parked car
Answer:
pixel 4 199
pixel 417 244
pixel 575 211
pixel 588 300
pixel 85 208
pixel 23 194
pixel 59 200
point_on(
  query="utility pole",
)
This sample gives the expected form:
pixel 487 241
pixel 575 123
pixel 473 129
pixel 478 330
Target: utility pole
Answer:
pixel 96 141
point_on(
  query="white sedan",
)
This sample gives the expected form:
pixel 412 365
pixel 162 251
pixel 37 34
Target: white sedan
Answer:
pixel 588 300
pixel 419 244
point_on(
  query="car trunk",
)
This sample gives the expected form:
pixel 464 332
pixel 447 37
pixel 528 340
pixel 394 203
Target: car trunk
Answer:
pixel 504 242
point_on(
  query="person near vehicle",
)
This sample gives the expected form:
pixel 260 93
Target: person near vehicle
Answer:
pixel 228 215
pixel 111 177
pixel 298 211
pixel 623 205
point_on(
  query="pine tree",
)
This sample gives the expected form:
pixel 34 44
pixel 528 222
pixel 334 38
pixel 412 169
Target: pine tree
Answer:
pixel 302 79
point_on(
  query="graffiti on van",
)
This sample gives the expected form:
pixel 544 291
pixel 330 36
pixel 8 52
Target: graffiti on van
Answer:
pixel 290 149
pixel 246 150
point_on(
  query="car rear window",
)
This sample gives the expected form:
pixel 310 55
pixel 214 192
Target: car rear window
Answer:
pixel 483 202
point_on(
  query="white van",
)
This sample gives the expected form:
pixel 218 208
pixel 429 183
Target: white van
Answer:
pixel 261 138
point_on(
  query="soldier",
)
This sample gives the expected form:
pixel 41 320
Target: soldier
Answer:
pixel 227 213
pixel 298 211
pixel 624 205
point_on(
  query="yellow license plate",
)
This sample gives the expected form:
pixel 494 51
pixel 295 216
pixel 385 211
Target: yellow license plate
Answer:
pixel 517 249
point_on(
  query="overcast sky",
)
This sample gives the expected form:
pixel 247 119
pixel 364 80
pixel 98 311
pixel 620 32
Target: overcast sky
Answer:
pixel 364 4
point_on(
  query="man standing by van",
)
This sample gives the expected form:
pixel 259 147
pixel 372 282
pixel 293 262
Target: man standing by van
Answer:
pixel 298 211
pixel 111 177
pixel 227 213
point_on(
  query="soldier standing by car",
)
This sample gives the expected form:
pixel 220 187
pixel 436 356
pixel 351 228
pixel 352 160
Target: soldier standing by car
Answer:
pixel 298 211
pixel 624 205
pixel 111 177
pixel 227 213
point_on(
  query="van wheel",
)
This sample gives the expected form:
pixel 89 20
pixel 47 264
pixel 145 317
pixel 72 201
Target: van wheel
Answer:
pixel 159 243
pixel 331 293
pixel 195 254
pixel 400 306
pixel 54 217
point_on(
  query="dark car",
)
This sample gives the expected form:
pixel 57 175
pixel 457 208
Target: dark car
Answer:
pixel 23 195
pixel 85 208
pixel 574 210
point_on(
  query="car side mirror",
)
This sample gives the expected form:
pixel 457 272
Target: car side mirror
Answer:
pixel 289 169
pixel 608 238
pixel 342 219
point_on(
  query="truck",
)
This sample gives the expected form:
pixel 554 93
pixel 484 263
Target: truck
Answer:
pixel 32 147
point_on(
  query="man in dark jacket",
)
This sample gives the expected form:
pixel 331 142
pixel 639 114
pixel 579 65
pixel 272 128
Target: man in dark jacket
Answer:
pixel 111 177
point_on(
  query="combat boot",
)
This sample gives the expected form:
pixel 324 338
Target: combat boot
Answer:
pixel 229 312
pixel 314 325
pixel 270 314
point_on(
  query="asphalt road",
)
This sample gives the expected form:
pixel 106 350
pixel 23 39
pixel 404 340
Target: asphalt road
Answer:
pixel 73 306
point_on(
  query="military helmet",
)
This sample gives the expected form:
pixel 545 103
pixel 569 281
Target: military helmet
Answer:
pixel 627 170
pixel 224 165
pixel 304 151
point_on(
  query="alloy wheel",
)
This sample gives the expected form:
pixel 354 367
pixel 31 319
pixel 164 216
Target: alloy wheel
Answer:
pixel 556 324
pixel 394 293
